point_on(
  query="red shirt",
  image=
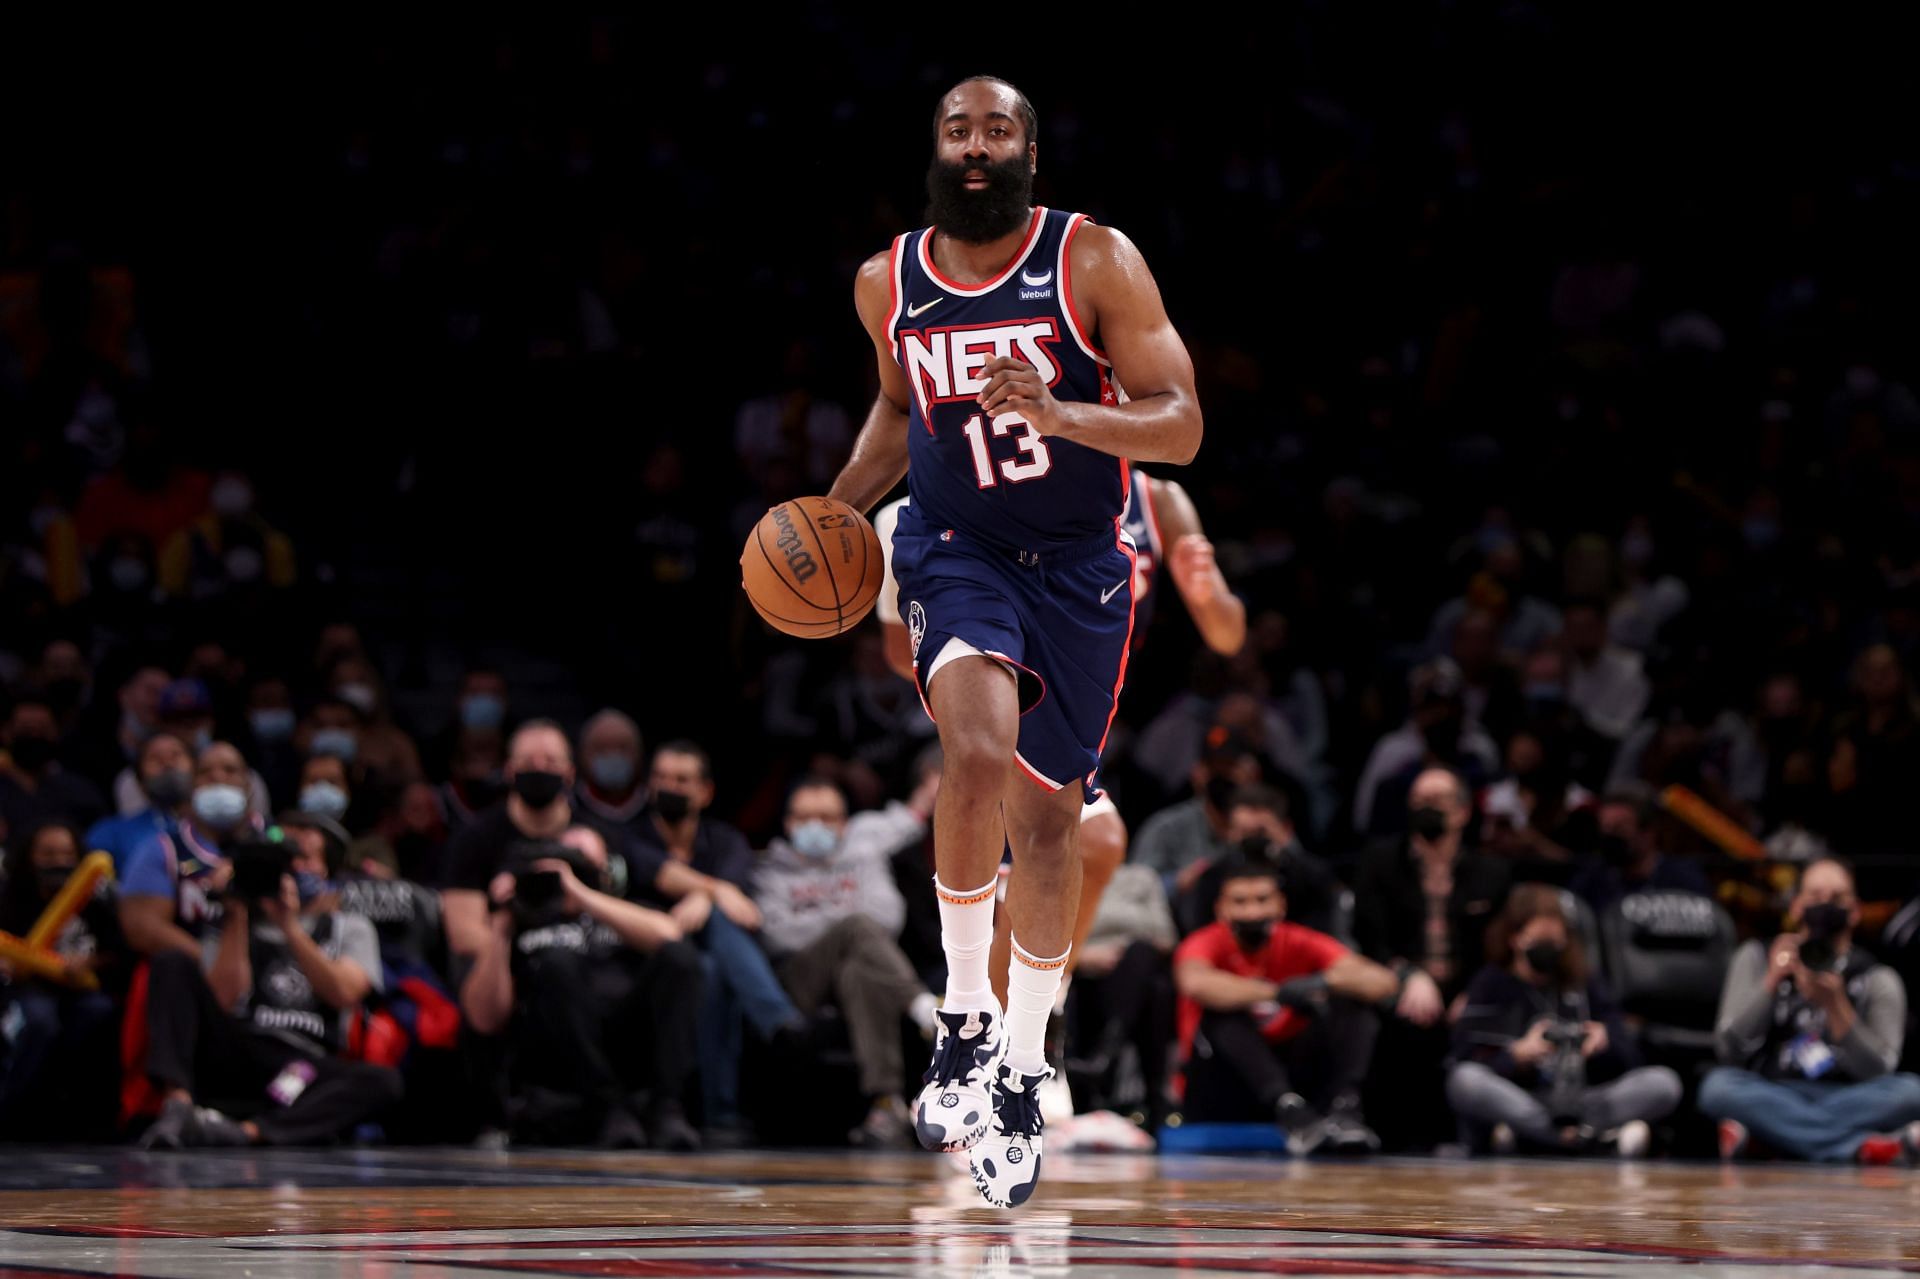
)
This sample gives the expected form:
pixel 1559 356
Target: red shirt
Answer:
pixel 1292 951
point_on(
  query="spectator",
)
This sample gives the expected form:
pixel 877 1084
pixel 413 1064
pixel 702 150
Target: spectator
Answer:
pixel 1422 904
pixel 101 756
pixel 184 709
pixel 476 778
pixel 1123 990
pixel 268 1014
pixel 597 994
pixel 34 788
pixel 832 915
pixel 1179 842
pixel 1258 829
pixel 1437 734
pixel 408 841
pixel 385 752
pixel 1541 1055
pixel 794 424
pixel 325 788
pixel 1271 1012
pixel 56 1036
pixel 165 769
pixel 170 896
pixel 1810 1030
pixel 610 757
pixel 1876 755
pixel 1605 682
pixel 480 711
pixel 1629 858
pixel 1525 622
pixel 699 868
pixel 271 723
pixel 1537 809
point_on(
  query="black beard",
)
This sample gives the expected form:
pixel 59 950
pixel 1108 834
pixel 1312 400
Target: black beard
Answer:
pixel 980 217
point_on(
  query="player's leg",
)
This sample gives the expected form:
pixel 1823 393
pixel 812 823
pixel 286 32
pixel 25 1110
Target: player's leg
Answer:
pixel 1103 847
pixel 1043 896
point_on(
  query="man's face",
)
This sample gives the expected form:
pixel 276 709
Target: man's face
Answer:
pixel 980 184
pixel 53 848
pixel 1255 898
pixel 164 754
pixel 1827 882
pixel 220 763
pixel 541 750
pixel 309 850
pixel 1435 789
pixel 1246 822
pixel 1620 820
pixel 680 774
pixel 610 737
pixel 817 804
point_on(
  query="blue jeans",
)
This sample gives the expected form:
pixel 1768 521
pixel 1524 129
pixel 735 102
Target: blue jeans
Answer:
pixel 1809 1119
pixel 740 986
pixel 44 1019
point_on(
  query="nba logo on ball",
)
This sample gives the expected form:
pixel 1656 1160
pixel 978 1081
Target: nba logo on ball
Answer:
pixel 916 625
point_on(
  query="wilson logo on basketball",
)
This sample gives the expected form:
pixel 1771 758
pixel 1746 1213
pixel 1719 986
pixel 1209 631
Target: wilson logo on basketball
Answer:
pixel 800 562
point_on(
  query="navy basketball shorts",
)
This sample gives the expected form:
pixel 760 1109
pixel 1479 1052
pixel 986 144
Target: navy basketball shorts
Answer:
pixel 1060 620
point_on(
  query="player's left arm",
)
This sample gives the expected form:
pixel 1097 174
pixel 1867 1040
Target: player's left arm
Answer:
pixel 1116 298
pixel 1219 614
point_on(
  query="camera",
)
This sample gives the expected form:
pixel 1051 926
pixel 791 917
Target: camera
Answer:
pixel 537 889
pixel 1566 1070
pixel 258 865
pixel 1817 954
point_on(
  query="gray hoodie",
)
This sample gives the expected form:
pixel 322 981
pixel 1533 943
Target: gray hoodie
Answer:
pixel 802 897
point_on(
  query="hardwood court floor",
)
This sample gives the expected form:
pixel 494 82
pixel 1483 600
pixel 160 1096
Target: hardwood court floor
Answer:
pixel 437 1214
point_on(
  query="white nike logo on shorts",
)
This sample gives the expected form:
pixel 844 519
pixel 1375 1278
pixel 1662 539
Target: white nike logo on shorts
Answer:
pixel 1111 591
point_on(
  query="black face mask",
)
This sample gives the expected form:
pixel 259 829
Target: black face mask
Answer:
pixel 52 879
pixel 31 754
pixel 1258 848
pixel 537 788
pixel 978 217
pixel 1825 920
pixel 672 806
pixel 1219 792
pixel 1616 850
pixel 1443 739
pixel 169 788
pixel 1427 823
pixel 1252 934
pixel 1544 957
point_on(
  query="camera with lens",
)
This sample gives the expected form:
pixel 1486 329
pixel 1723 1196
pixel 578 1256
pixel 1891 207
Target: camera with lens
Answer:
pixel 258 866
pixel 538 895
pixel 1566 1070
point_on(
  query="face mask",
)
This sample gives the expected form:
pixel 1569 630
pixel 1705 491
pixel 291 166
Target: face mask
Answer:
pixel 128 574
pixel 341 743
pixel 272 723
pixel 324 799
pixel 359 696
pixel 231 497
pixel 1220 791
pixel 219 806
pixel 815 839
pixel 311 885
pixel 538 789
pixel 169 787
pixel 244 564
pixel 1761 533
pixel 1257 848
pixel 1545 694
pixel 1616 850
pixel 671 805
pixel 482 711
pixel 1427 823
pixel 611 772
pixel 32 754
pixel 52 879
pixel 1252 934
pixel 1544 956
pixel 1443 739
pixel 1825 920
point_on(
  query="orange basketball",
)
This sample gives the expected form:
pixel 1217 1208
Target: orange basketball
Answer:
pixel 812 567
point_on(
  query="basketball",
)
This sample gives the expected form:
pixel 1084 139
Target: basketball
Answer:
pixel 812 567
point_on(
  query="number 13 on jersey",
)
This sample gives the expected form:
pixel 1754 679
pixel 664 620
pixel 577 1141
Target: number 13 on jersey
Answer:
pixel 1035 461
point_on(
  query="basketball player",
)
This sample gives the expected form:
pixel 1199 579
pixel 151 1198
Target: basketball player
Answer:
pixel 1159 516
pixel 1004 333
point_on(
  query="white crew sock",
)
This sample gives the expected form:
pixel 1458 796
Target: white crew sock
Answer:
pixel 1031 983
pixel 966 934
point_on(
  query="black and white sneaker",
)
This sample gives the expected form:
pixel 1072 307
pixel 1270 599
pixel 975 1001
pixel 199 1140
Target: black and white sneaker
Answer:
pixel 1006 1162
pixel 1306 1129
pixel 955 1102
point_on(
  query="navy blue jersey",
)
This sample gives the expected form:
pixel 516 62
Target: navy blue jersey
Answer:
pixel 995 478
pixel 1143 526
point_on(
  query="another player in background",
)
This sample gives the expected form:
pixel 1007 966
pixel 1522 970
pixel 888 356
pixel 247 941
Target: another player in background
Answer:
pixel 1015 575
pixel 1165 529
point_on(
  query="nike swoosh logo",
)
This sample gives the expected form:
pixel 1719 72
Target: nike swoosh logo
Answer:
pixel 913 311
pixel 1035 281
pixel 1111 592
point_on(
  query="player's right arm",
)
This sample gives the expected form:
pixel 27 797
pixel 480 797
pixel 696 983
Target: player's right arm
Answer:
pixel 879 457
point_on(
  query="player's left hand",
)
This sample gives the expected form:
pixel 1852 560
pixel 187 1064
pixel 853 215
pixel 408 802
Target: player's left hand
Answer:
pixel 1194 571
pixel 1014 386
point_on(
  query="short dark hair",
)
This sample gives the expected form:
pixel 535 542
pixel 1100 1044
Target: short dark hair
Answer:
pixel 817 781
pixel 1029 121
pixel 1262 797
pixel 1241 866
pixel 691 749
pixel 1637 796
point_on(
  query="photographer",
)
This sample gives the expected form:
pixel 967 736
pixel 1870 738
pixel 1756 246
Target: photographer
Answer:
pixel 1540 1053
pixel 1271 1011
pixel 1810 1030
pixel 597 995
pixel 261 1029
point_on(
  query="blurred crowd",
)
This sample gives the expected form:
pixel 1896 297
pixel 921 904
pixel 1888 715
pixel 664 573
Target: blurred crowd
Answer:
pixel 1571 481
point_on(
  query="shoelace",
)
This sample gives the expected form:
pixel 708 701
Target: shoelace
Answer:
pixel 954 1058
pixel 1018 1112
